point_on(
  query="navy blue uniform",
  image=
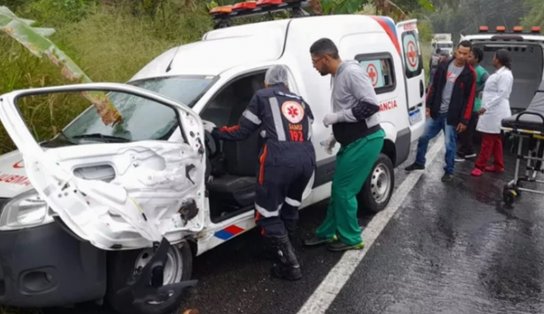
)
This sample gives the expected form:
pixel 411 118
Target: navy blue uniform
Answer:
pixel 286 160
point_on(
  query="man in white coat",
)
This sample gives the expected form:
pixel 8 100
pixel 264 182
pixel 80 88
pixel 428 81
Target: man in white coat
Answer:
pixel 495 107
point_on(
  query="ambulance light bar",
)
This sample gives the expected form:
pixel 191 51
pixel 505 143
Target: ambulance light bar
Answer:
pixel 223 14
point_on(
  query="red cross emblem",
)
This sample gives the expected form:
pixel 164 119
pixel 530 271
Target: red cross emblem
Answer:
pixel 372 73
pixel 412 54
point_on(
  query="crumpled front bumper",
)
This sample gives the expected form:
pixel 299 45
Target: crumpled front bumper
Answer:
pixel 47 266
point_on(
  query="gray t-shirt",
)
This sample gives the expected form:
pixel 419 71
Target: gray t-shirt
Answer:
pixel 453 73
pixel 350 85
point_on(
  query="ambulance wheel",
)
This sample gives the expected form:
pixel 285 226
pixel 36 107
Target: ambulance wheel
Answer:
pixel 122 265
pixel 378 188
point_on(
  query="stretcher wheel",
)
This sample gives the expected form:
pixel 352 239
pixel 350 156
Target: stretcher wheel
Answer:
pixel 509 195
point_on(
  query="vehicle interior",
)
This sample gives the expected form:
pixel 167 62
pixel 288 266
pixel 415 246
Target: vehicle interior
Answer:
pixel 526 68
pixel 232 166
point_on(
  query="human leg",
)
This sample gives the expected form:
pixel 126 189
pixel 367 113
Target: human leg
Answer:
pixel 451 147
pixel 498 163
pixel 269 200
pixel 432 128
pixel 354 163
pixel 485 151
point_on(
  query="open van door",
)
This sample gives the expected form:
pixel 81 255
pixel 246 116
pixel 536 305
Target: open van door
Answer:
pixel 414 75
pixel 120 184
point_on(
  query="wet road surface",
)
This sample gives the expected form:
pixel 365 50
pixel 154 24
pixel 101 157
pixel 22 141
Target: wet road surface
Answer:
pixel 454 248
pixel 450 248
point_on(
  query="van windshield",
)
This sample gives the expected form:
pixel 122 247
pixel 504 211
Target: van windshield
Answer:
pixel 184 89
pixel 445 45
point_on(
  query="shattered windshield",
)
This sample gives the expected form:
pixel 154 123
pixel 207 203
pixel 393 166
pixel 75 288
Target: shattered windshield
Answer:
pixel 84 116
pixel 184 89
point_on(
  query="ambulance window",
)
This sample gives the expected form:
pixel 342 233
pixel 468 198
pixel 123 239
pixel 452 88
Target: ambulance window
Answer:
pixel 413 63
pixel 226 107
pixel 380 70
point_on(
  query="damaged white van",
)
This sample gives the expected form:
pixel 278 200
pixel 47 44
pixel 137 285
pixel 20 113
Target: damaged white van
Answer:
pixel 116 204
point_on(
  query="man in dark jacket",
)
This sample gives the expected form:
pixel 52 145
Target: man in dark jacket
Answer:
pixel 449 107
pixel 286 162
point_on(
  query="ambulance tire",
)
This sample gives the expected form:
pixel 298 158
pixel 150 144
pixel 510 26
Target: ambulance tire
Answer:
pixel 123 264
pixel 378 188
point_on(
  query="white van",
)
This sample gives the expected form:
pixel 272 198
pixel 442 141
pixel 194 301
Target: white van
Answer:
pixel 84 214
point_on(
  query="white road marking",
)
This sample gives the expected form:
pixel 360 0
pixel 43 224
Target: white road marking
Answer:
pixel 326 292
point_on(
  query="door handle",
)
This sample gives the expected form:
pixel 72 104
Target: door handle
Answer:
pixel 421 88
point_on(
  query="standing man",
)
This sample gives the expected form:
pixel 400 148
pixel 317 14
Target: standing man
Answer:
pixel 286 162
pixel 449 107
pixel 466 147
pixel 355 125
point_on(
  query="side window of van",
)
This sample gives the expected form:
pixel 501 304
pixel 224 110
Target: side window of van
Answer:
pixel 413 64
pixel 226 107
pixel 380 70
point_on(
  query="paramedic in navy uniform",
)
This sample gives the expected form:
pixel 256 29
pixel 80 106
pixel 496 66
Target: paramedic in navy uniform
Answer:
pixel 286 162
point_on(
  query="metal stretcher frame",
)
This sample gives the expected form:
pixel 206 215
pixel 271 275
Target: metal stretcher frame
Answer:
pixel 532 134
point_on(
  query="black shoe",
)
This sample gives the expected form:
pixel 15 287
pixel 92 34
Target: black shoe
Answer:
pixel 287 266
pixel 281 271
pixel 414 166
pixel 315 241
pixel 447 177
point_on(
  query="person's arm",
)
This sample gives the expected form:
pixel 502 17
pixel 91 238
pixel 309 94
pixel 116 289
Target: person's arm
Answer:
pixel 504 88
pixel 248 123
pixel 367 103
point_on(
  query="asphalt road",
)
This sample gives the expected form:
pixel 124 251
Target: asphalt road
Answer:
pixel 450 248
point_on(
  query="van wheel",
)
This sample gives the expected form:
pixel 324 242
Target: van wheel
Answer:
pixel 122 265
pixel 378 188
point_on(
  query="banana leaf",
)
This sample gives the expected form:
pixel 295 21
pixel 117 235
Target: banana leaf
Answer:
pixel 34 39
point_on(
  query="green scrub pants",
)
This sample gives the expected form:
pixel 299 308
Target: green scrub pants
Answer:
pixel 353 165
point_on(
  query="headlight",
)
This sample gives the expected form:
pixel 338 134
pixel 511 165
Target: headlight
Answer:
pixel 24 211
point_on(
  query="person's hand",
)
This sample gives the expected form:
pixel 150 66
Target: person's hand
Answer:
pixel 330 118
pixel 461 128
pixel 427 112
pixel 481 111
pixel 208 126
pixel 328 144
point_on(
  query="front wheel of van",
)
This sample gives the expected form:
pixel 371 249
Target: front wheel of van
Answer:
pixel 378 188
pixel 124 265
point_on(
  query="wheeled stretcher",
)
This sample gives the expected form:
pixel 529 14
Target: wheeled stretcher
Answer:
pixel 527 130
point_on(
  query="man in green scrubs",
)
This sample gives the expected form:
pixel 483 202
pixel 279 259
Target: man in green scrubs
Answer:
pixel 355 125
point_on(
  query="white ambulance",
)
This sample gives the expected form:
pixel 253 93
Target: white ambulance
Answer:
pixel 526 47
pixel 84 215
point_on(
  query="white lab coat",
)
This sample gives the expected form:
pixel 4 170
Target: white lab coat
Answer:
pixel 495 101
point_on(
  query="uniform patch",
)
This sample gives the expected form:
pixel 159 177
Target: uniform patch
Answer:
pixel 292 111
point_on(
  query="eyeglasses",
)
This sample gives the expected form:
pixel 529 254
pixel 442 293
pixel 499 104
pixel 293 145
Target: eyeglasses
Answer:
pixel 316 60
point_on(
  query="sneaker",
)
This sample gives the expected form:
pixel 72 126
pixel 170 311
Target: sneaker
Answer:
pixel 315 241
pixel 447 177
pixel 414 166
pixel 494 169
pixel 476 172
pixel 339 246
pixel 467 156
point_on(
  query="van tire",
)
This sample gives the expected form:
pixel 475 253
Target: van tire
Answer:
pixel 378 188
pixel 122 264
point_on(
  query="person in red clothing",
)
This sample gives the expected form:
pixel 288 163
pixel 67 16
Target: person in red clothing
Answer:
pixel 495 107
